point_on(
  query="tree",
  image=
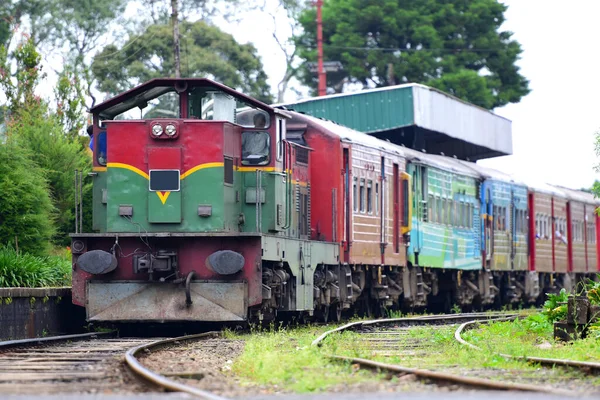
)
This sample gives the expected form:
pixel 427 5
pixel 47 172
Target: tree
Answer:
pixel 70 105
pixel 293 10
pixel 205 10
pixel 453 45
pixel 206 51
pixel 19 82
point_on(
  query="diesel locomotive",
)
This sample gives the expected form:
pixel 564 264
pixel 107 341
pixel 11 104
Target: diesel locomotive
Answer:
pixel 209 205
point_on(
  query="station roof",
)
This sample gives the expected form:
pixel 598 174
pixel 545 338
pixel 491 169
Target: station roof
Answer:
pixel 418 117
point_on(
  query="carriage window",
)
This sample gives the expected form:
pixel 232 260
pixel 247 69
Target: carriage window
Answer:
pixel 370 197
pixel 101 148
pixel 355 195
pixel 362 195
pixel 431 209
pixel 470 211
pixel 255 148
pixel 376 198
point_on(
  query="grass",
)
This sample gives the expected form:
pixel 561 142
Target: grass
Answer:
pixel 284 358
pixel 25 270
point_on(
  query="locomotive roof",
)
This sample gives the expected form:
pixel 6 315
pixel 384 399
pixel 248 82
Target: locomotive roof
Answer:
pixel 155 87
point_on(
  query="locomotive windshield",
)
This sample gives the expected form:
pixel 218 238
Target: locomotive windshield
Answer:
pixel 159 102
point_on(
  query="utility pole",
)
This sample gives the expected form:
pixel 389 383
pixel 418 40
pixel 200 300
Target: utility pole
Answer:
pixel 321 70
pixel 174 17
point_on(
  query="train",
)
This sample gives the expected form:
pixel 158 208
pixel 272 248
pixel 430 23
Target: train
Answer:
pixel 211 206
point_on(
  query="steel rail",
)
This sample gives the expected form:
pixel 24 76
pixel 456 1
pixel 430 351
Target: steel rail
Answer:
pixel 426 318
pixel 161 380
pixel 541 360
pixel 478 382
pixel 487 383
pixel 51 339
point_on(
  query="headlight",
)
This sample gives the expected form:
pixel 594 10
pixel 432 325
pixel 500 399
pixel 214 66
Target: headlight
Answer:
pixel 157 130
pixel 170 129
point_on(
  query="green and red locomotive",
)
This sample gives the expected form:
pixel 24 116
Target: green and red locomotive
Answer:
pixel 209 205
pixel 195 208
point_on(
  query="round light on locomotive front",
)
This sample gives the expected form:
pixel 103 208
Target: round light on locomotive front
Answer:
pixel 157 130
pixel 170 129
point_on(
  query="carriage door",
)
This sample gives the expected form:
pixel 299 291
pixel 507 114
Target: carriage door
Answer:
pixel 488 223
pixel 513 228
pixel 347 207
pixel 396 200
pixel 164 195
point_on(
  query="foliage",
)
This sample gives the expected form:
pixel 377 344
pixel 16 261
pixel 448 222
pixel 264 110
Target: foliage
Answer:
pixel 40 133
pixel 596 186
pixel 592 288
pixel 203 9
pixel 27 210
pixel 19 85
pixel 206 51
pixel 26 270
pixel 453 45
pixel 70 106
pixel 59 156
pixel 552 309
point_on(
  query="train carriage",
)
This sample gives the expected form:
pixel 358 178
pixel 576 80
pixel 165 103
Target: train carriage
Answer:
pixel 445 229
pixel 582 223
pixel 549 253
pixel 504 232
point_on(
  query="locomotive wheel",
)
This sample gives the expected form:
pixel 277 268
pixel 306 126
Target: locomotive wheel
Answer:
pixel 335 312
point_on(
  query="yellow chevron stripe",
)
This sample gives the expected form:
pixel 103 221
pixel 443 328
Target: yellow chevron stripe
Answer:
pixel 163 196
pixel 129 167
pixel 99 169
pixel 189 171
pixel 201 166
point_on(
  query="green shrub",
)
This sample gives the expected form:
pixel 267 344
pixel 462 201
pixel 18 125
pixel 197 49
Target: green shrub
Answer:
pixel 26 211
pixel 59 156
pixel 553 310
pixel 27 270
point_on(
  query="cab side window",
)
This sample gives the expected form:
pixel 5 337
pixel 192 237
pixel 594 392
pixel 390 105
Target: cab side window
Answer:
pixel 256 146
pixel 101 148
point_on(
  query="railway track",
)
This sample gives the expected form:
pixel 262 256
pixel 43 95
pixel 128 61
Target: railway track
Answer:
pixel 391 338
pixel 583 365
pixel 88 364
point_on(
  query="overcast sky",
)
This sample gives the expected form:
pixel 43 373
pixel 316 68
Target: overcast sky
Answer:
pixel 553 127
